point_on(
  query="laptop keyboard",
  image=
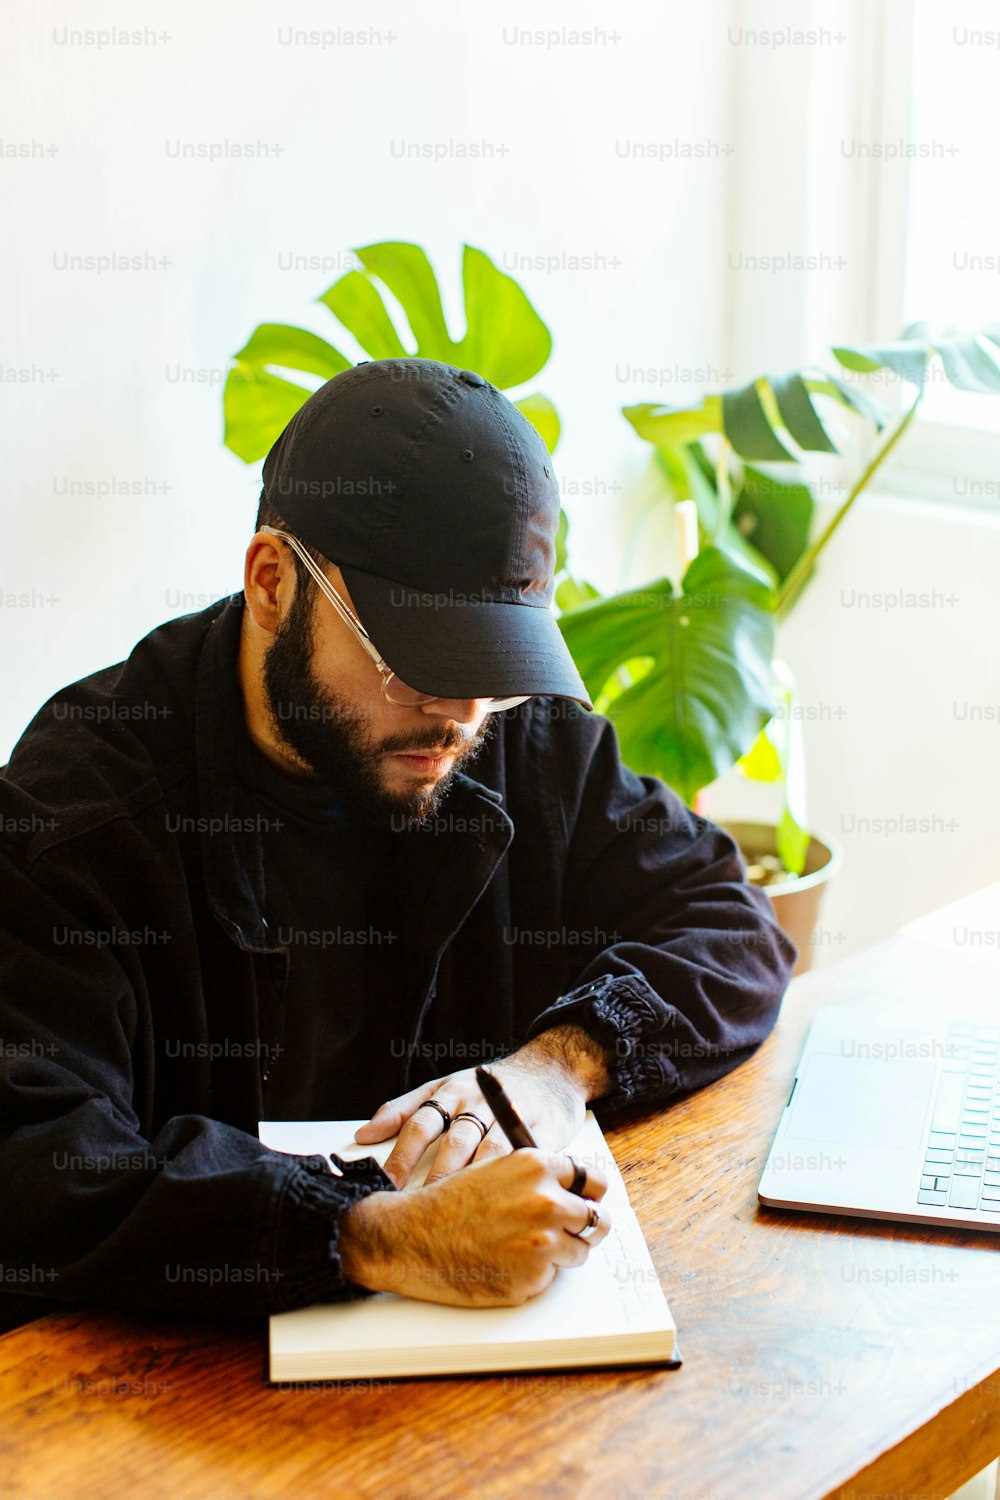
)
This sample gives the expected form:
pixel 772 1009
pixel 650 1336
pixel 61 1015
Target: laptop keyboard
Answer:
pixel 962 1160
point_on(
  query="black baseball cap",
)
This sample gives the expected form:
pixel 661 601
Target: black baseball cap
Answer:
pixel 436 499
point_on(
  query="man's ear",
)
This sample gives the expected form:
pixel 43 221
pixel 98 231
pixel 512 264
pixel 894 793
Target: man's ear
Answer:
pixel 268 581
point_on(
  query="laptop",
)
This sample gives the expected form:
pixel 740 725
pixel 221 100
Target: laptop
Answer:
pixel 894 1112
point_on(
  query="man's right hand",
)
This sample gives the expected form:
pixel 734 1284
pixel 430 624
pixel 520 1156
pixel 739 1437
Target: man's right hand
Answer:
pixel 492 1235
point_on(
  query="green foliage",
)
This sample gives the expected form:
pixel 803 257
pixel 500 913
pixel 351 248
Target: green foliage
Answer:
pixel 684 674
pixel 774 516
pixel 970 360
pixel 505 341
pixel 778 754
pixel 692 699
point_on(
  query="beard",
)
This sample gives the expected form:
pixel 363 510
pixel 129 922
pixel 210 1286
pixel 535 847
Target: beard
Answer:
pixel 335 738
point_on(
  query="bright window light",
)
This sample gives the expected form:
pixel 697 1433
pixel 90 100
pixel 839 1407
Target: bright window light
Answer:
pixel 952 268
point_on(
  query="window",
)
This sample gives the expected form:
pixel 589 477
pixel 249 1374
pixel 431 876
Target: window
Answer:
pixel 887 137
pixel 950 240
pixel 952 265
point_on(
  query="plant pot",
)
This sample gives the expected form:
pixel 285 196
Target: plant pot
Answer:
pixel 796 900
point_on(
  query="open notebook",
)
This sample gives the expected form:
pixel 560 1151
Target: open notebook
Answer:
pixel 609 1311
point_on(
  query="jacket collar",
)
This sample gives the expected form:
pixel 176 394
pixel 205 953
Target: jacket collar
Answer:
pixel 230 829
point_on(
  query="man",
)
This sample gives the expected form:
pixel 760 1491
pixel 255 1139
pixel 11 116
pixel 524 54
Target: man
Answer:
pixel 317 851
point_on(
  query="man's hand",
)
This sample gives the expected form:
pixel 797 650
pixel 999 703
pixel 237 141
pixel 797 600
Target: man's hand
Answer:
pixel 549 1080
pixel 489 1237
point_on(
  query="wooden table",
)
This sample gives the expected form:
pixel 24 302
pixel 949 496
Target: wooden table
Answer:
pixel 823 1356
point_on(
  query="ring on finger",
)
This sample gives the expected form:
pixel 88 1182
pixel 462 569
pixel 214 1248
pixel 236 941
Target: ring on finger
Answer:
pixel 466 1114
pixel 433 1104
pixel 592 1226
pixel 579 1177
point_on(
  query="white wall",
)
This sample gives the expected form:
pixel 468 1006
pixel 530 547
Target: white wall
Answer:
pixel 900 702
pixel 450 73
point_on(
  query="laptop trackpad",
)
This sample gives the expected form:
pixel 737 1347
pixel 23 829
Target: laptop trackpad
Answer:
pixel 862 1101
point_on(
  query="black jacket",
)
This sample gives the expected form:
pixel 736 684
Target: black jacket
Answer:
pixel 131 887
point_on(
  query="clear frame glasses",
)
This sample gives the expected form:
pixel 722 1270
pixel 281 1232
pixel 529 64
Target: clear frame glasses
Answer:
pixel 393 690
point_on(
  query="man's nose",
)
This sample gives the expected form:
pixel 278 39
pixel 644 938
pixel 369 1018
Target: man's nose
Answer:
pixel 462 710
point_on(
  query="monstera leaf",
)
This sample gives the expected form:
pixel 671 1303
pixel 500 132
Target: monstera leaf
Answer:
pixel 770 518
pixel 970 359
pixel 685 676
pixel 505 341
pixel 757 419
pixel 760 517
pixel 775 517
pixel 259 404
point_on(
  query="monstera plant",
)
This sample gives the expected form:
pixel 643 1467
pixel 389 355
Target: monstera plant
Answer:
pixel 686 669
pixel 505 340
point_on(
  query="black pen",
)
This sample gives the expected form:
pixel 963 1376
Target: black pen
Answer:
pixel 507 1117
pixel 514 1128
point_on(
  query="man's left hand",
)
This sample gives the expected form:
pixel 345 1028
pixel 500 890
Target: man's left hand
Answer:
pixel 549 1081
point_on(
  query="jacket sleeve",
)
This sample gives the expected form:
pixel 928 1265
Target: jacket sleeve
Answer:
pixel 694 966
pixel 199 1218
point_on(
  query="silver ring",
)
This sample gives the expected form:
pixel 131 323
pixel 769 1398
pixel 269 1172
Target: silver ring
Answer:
pixel 466 1114
pixel 433 1104
pixel 592 1225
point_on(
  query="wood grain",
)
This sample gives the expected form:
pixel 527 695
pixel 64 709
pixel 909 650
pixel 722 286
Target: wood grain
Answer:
pixel 823 1356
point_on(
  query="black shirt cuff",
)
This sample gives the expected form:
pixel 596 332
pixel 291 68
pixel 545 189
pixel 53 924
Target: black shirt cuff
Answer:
pixel 616 1011
pixel 310 1224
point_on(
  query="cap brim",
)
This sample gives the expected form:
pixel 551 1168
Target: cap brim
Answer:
pixel 457 648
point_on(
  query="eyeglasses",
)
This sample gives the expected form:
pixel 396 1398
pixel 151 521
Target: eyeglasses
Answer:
pixel 393 690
